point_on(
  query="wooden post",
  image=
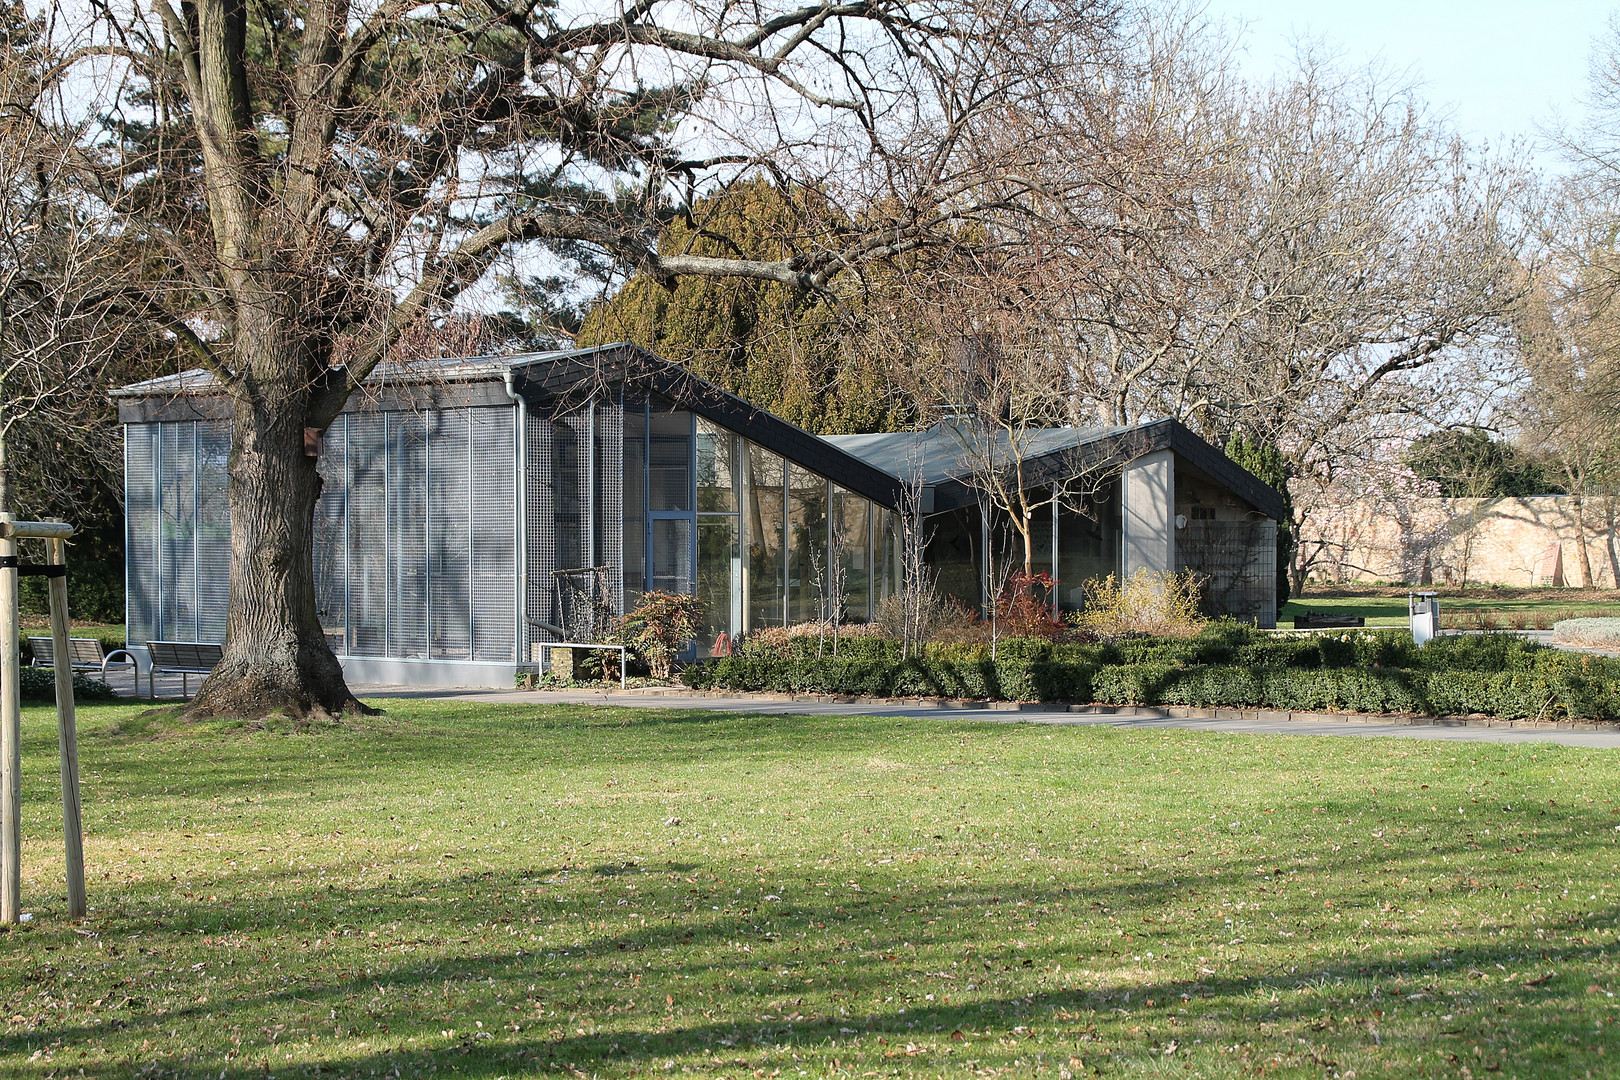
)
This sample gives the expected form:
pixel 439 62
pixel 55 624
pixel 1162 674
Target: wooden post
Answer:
pixel 67 733
pixel 10 734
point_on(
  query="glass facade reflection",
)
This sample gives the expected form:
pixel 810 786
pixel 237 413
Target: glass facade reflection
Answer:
pixel 763 541
pixel 765 565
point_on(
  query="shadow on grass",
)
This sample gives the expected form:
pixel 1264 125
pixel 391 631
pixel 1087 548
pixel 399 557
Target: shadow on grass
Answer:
pixel 991 1028
pixel 879 956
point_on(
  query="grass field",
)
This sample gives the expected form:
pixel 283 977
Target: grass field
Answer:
pixel 516 891
pixel 1501 606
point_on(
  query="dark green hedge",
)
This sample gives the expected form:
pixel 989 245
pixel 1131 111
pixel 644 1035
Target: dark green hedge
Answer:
pixel 39 684
pixel 1226 666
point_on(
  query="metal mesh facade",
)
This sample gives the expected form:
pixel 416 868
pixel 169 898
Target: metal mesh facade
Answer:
pixel 609 499
pixel 542 549
pixel 177 530
pixel 1237 563
pixel 575 521
pixel 415 535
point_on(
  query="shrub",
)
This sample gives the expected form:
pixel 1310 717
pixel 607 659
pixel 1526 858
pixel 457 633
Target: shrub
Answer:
pixel 932 610
pixel 1024 607
pixel 660 628
pixel 39 684
pixel 1146 602
pixel 1376 672
pixel 1598 633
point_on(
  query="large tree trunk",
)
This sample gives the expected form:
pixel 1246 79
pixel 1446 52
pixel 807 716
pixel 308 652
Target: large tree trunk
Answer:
pixel 1583 543
pixel 276 657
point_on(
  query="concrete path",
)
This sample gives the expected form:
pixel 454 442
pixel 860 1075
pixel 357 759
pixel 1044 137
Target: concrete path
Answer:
pixel 1129 720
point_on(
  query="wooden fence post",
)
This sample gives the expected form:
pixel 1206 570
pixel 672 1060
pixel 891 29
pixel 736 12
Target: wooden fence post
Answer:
pixel 67 733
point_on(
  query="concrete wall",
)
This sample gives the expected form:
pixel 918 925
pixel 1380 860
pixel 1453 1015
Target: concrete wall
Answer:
pixel 1531 541
pixel 1149 531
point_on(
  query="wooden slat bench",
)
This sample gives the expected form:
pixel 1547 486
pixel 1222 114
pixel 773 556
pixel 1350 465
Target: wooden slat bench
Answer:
pixel 182 658
pixel 1327 620
pixel 84 654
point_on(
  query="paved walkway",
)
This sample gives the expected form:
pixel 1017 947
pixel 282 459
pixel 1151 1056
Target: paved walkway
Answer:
pixel 169 686
pixel 1137 720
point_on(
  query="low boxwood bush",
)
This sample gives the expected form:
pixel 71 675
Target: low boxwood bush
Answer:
pixel 39 684
pixel 1376 672
pixel 1599 633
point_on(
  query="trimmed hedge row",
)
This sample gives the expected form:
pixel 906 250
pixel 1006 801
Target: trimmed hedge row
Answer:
pixel 39 684
pixel 1508 678
pixel 1223 644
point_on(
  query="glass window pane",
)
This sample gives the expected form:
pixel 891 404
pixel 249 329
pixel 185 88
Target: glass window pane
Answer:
pixel 807 545
pixel 953 554
pixel 718 569
pixel 1041 540
pixel 177 493
pixel 851 520
pixel 635 500
pixel 408 525
pixel 716 469
pixel 884 577
pixel 764 521
pixel 669 449
pixel 1088 546
pixel 331 563
pixel 672 555
pixel 567 492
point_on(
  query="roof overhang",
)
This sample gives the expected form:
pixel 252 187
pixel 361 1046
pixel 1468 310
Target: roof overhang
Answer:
pixel 565 382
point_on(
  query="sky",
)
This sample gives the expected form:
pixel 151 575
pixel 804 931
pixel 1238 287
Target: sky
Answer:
pixel 1497 67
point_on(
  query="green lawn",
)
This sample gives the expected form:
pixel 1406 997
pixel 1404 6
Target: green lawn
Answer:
pixel 1501 607
pixel 515 891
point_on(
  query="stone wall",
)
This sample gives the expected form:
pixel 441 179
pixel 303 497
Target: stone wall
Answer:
pixel 1532 541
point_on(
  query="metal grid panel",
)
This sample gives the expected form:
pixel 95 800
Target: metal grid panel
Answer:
pixel 177 500
pixel 570 488
pixel 633 499
pixel 142 578
pixel 331 546
pixel 367 562
pixel 610 498
pixel 408 510
pixel 213 550
pixel 570 509
pixel 542 553
pixel 494 557
pixel 1236 562
pixel 449 519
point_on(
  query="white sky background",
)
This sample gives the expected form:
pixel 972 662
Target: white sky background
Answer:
pixel 1497 68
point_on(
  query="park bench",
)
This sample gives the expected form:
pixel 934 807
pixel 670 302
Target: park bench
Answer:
pixel 84 654
pixel 1326 621
pixel 182 658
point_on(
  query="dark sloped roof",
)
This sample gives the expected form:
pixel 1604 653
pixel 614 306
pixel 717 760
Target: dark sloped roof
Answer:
pixel 563 379
pixel 944 456
pixel 945 451
pixel 876 466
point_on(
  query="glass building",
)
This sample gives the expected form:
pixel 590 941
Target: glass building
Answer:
pixel 474 509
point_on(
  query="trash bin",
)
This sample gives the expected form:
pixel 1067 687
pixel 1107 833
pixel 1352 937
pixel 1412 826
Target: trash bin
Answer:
pixel 1423 613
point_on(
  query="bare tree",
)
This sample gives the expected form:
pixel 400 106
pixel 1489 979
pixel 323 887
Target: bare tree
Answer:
pixel 313 192
pixel 917 597
pixel 56 263
pixel 1569 332
pixel 1347 251
pixel 1300 261
pixel 1019 430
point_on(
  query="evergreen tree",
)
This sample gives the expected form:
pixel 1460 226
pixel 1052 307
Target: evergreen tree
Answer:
pixel 1468 464
pixel 801 356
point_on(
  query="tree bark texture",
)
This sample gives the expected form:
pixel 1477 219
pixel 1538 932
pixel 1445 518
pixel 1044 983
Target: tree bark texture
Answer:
pixel 276 658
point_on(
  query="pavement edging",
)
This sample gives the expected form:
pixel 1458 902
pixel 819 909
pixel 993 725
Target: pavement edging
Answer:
pixel 1167 712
